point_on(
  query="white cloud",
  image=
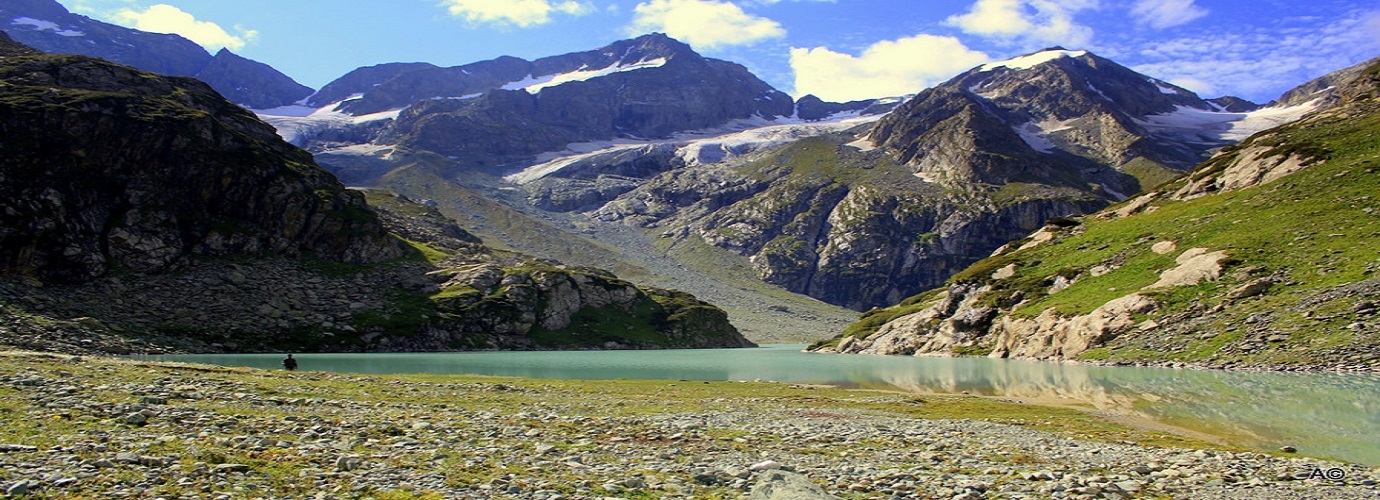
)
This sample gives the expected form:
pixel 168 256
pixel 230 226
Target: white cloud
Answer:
pixel 164 18
pixel 1198 86
pixel 705 24
pixel 1027 21
pixel 521 13
pixel 1260 64
pixel 887 68
pixel 1160 14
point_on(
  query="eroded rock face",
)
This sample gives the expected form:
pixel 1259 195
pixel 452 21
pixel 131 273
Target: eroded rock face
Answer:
pixel 110 167
pixel 1050 336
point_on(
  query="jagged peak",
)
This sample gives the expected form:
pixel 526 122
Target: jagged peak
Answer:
pixel 646 47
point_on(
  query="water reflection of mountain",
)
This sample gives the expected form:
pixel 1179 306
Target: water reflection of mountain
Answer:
pixel 1330 414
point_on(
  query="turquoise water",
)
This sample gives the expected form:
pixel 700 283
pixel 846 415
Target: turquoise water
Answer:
pixel 1321 414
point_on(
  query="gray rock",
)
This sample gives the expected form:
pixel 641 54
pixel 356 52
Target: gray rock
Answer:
pixel 230 468
pixel 348 463
pixel 18 489
pixel 782 485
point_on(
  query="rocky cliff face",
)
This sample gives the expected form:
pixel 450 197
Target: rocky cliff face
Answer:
pixel 48 26
pixel 1225 267
pixel 839 224
pixel 110 167
pixel 470 298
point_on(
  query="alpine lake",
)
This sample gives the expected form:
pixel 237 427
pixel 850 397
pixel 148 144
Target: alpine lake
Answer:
pixel 1332 415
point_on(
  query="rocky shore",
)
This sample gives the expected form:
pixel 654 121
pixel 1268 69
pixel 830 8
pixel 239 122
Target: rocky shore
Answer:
pixel 112 428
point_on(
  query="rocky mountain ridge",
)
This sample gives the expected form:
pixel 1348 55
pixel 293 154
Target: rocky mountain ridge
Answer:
pixel 1239 264
pixel 488 115
pixel 135 205
pixel 50 27
pixel 867 215
pixel 829 201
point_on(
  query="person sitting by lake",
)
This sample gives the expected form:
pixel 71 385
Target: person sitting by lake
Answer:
pixel 289 363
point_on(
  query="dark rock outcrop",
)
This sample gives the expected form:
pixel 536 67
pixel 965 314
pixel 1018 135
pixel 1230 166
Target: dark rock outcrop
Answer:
pixel 109 167
pixel 9 47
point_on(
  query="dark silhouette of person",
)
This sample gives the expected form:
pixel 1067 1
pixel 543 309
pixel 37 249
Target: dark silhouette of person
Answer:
pixel 289 363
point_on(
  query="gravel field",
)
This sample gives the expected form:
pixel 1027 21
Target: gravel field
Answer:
pixel 97 427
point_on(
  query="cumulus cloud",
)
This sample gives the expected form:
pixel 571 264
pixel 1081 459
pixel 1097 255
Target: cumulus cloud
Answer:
pixel 887 68
pixel 521 13
pixel 705 24
pixel 164 18
pixel 1027 21
pixel 1160 14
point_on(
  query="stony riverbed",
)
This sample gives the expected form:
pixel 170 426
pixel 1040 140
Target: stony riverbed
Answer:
pixel 100 427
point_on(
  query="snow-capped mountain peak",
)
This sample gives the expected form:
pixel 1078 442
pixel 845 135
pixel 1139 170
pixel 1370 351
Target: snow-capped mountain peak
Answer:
pixel 1032 60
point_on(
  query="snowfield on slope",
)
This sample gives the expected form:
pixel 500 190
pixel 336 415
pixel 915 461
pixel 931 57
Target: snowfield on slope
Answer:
pixel 298 121
pixel 707 146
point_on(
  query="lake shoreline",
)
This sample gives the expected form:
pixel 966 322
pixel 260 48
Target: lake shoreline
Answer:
pixel 75 338
pixel 106 426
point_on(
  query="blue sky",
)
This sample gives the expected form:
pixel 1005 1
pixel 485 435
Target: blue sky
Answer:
pixel 837 49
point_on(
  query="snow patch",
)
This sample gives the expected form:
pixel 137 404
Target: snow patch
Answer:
pixel 534 84
pixel 927 177
pixel 1215 127
pixel 367 149
pixel 296 122
pixel 706 146
pixel 863 144
pixel 41 25
pixel 1033 60
pixel 1164 87
pixel 1036 134
pixel 1034 137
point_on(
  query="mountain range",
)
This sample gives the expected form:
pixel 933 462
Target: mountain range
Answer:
pixel 1262 256
pixel 48 26
pixel 856 204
